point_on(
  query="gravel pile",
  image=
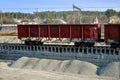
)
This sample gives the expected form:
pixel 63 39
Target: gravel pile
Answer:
pixel 111 70
pixel 20 63
pixel 67 66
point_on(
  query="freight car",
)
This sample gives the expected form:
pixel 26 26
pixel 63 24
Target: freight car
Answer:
pixel 112 34
pixel 80 34
pixel 8 27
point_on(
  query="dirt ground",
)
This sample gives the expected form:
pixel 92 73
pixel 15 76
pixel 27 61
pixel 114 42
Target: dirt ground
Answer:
pixel 8 33
pixel 9 39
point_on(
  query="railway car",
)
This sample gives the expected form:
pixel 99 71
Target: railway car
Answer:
pixel 112 34
pixel 8 27
pixel 80 34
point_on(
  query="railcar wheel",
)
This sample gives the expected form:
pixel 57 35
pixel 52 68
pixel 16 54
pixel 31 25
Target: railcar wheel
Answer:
pixel 113 46
pixel 27 42
pixel 89 44
pixel 82 44
pixel 40 43
pixel 77 44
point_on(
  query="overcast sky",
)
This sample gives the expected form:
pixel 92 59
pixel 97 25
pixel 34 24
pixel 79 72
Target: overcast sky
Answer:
pixel 45 5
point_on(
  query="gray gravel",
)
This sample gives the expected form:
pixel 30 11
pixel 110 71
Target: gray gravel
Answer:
pixel 67 66
pixel 111 70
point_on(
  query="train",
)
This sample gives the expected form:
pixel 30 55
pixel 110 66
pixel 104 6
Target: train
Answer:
pixel 80 34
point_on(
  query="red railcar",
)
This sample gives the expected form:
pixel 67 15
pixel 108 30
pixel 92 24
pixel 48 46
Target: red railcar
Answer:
pixel 71 31
pixel 112 34
pixel 112 31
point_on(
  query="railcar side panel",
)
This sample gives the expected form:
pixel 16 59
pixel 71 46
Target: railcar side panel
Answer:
pixel 76 31
pixel 23 31
pixel 58 31
pixel 65 31
pixel 90 31
pixel 44 31
pixel 34 31
pixel 112 31
pixel 54 31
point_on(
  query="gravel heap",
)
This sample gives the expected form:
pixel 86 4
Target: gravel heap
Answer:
pixel 111 70
pixel 67 66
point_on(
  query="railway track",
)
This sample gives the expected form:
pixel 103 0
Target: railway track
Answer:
pixel 96 54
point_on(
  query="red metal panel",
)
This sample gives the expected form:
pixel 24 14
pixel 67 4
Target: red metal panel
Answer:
pixel 22 31
pixel 44 31
pixel 76 31
pixel 90 31
pixel 34 30
pixel 28 31
pixel 49 31
pixel 65 31
pixel 59 32
pixel 70 33
pixel 54 31
pixel 112 31
pixel 39 31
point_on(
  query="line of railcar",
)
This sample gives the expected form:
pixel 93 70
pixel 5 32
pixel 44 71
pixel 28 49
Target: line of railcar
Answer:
pixel 80 34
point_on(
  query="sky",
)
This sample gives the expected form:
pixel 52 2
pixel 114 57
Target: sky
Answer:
pixel 57 5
